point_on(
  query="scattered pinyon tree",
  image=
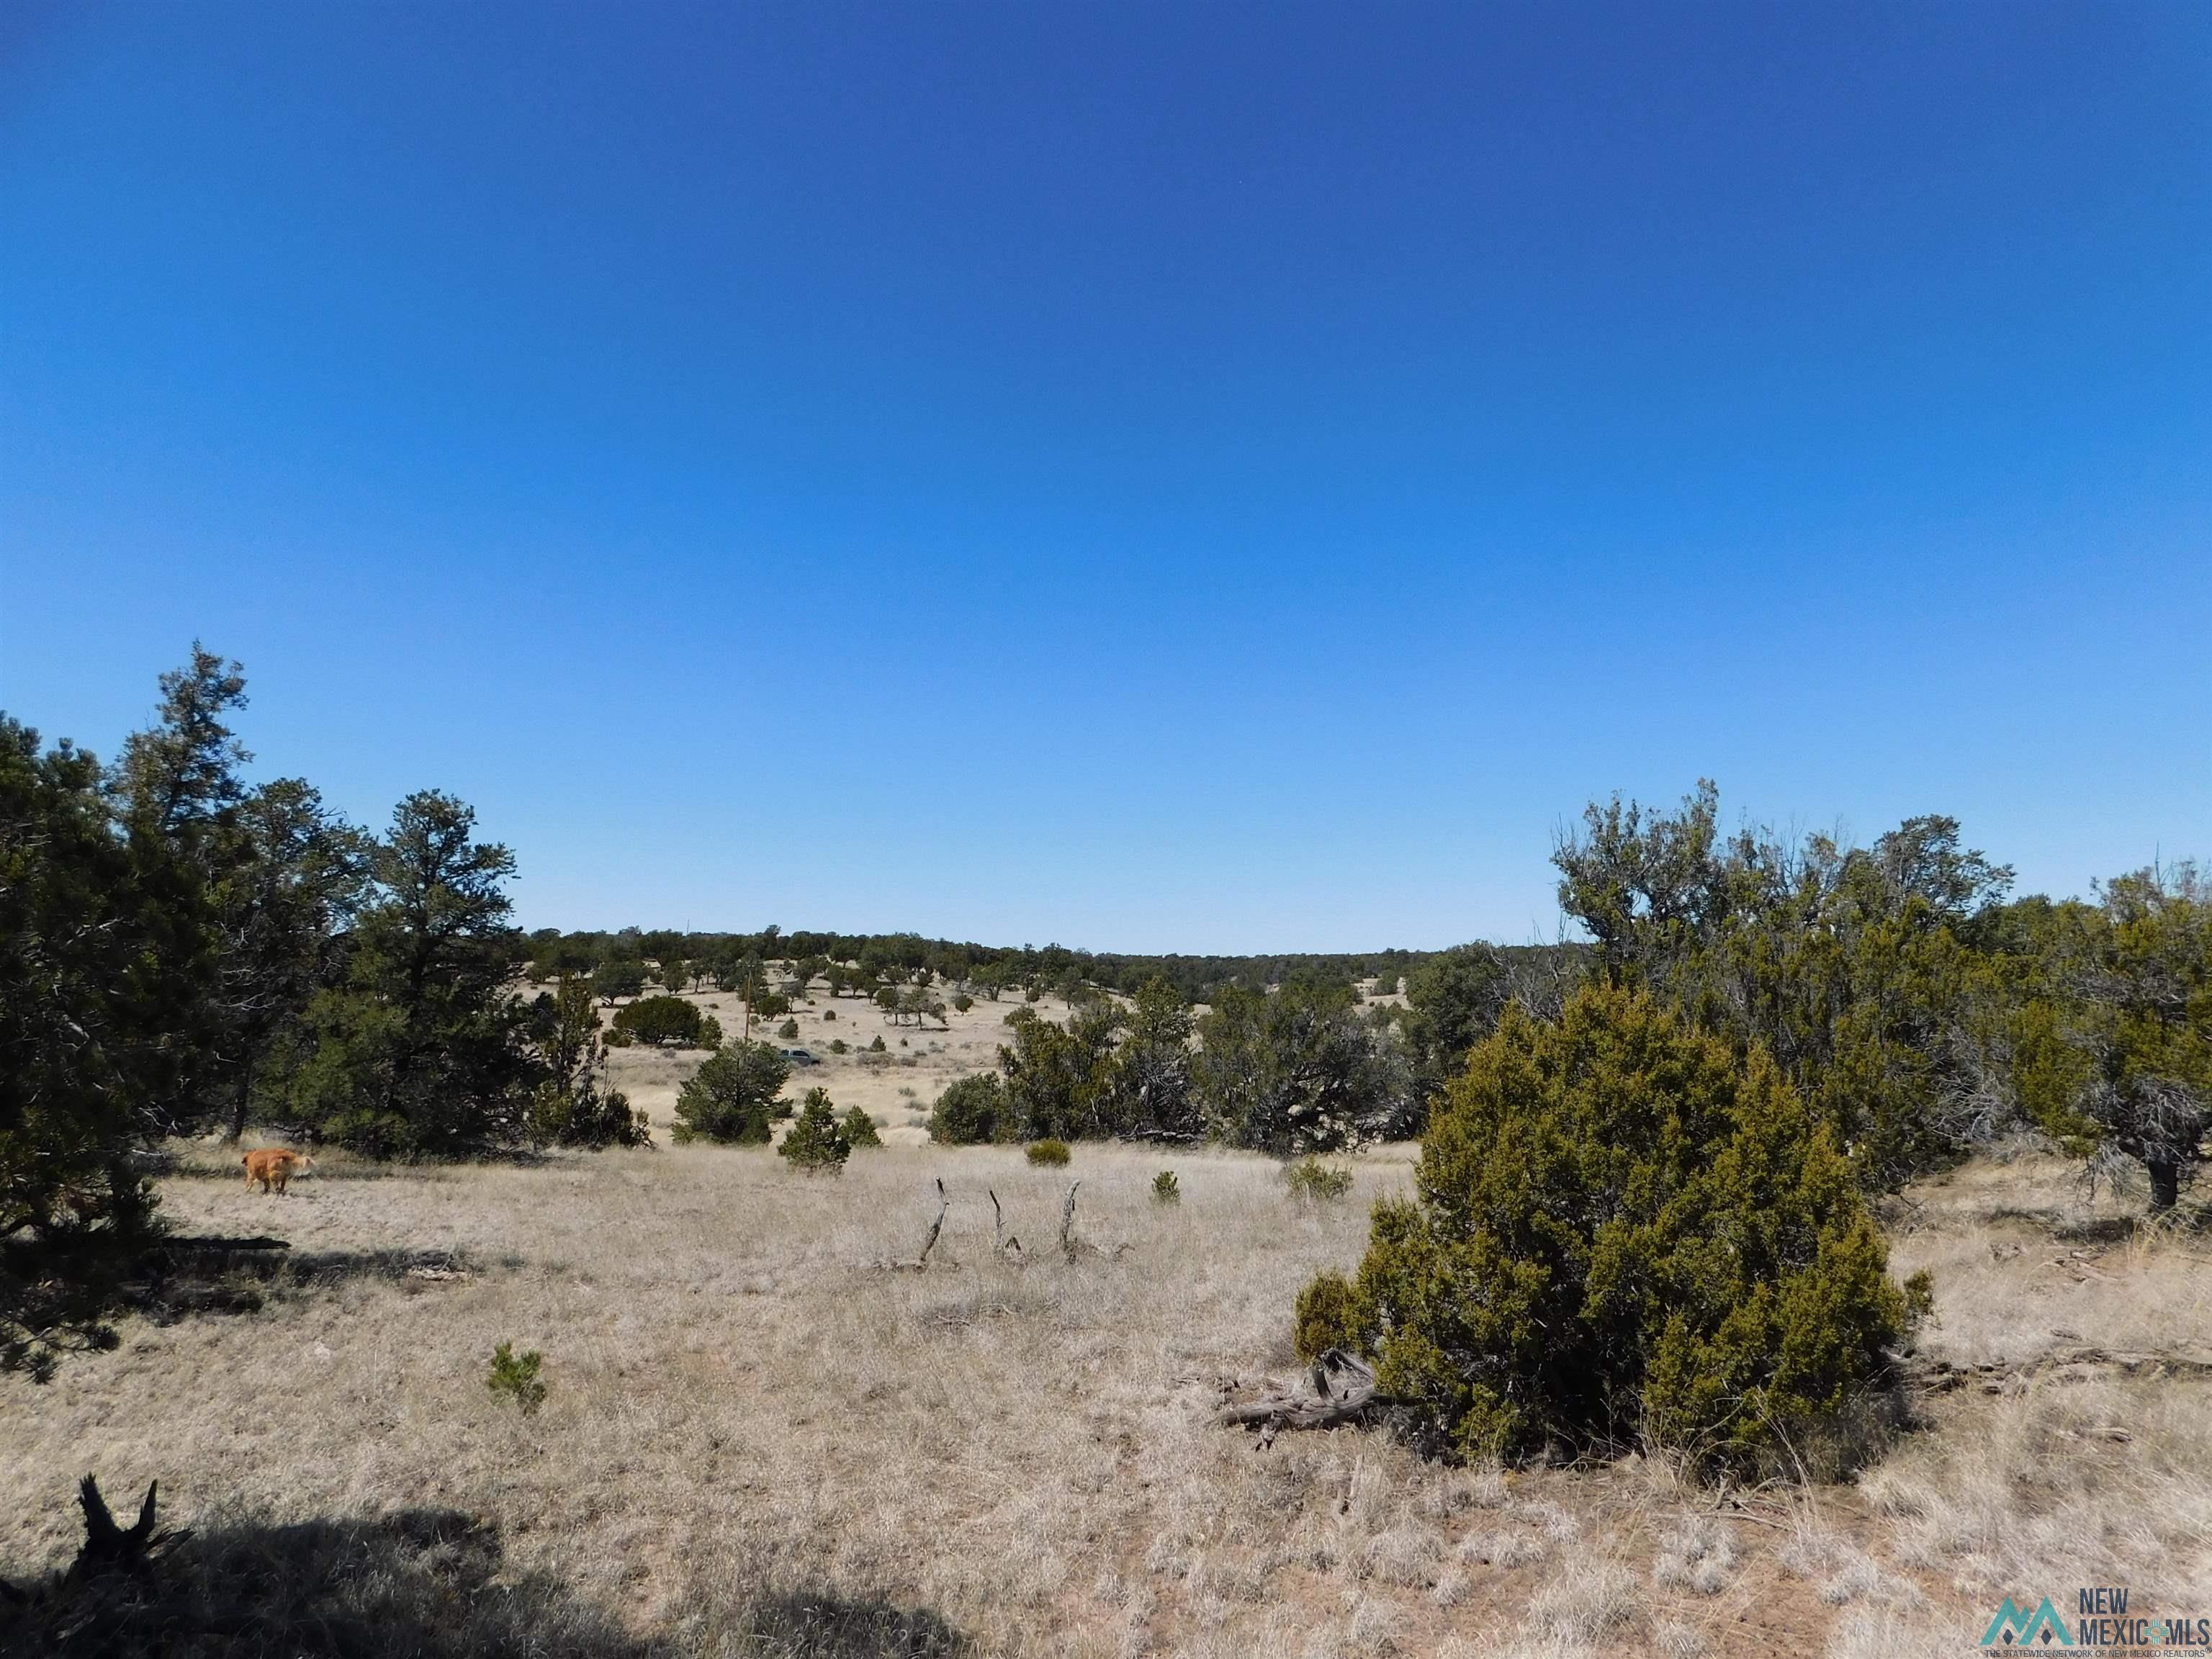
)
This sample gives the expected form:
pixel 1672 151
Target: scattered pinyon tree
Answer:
pixel 734 1096
pixel 815 1140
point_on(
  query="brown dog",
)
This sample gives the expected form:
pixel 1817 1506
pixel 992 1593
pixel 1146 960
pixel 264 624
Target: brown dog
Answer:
pixel 273 1167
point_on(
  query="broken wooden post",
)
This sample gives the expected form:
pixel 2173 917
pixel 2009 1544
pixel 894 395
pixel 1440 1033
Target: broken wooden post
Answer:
pixel 1001 1241
pixel 1068 1223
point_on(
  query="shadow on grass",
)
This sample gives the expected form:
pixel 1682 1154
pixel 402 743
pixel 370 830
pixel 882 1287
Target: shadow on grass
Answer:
pixel 187 1273
pixel 423 1583
pixel 61 1294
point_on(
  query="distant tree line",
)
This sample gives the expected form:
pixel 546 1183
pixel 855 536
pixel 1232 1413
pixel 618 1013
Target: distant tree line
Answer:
pixel 625 961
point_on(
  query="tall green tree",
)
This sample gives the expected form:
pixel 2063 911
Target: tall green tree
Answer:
pixel 1297 1071
pixel 290 875
pixel 422 1047
pixel 2114 1057
pixel 1061 1079
pixel 177 787
pixel 90 1060
pixel 1152 1096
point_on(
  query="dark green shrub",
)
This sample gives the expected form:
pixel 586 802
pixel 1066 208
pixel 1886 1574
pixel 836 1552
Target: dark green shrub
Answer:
pixel 585 1114
pixel 877 1047
pixel 771 1005
pixel 571 1105
pixel 859 1129
pixel 1166 1189
pixel 732 1097
pixel 963 1002
pixel 829 1015
pixel 516 1376
pixel 816 1141
pixel 1328 1316
pixel 789 1029
pixel 666 1019
pixel 1319 1182
pixel 838 1045
pixel 1621 1233
pixel 1047 1152
pixel 973 1109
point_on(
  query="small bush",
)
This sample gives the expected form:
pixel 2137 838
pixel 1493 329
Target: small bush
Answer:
pixel 859 1129
pixel 1318 1182
pixel 618 1038
pixel 1051 1153
pixel 877 1047
pixel 838 1045
pixel 789 1029
pixel 963 1002
pixel 816 1141
pixel 516 1375
pixel 828 1014
pixel 1166 1189
pixel 771 1005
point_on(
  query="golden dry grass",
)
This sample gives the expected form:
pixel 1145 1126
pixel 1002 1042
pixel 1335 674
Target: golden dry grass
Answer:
pixel 743 1407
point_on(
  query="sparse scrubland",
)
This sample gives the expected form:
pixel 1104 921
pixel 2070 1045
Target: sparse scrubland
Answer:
pixel 747 1418
pixel 1808 1259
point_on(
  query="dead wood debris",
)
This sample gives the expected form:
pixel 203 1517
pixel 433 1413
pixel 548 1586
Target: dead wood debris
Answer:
pixel 1344 1392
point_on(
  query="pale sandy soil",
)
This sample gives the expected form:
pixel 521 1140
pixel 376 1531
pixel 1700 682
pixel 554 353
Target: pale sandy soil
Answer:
pixel 743 1402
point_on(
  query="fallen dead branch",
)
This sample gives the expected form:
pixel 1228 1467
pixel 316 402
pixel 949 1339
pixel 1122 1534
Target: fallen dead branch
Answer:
pixel 1344 1392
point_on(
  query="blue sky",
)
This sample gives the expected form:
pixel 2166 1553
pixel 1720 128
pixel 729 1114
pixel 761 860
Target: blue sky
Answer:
pixel 1148 476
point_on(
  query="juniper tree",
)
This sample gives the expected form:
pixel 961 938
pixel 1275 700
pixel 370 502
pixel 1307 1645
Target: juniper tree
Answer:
pixel 1619 1230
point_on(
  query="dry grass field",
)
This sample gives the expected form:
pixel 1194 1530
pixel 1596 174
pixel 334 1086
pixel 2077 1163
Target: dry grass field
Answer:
pixel 758 1441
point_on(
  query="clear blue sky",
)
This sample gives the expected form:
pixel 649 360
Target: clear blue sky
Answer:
pixel 1146 477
